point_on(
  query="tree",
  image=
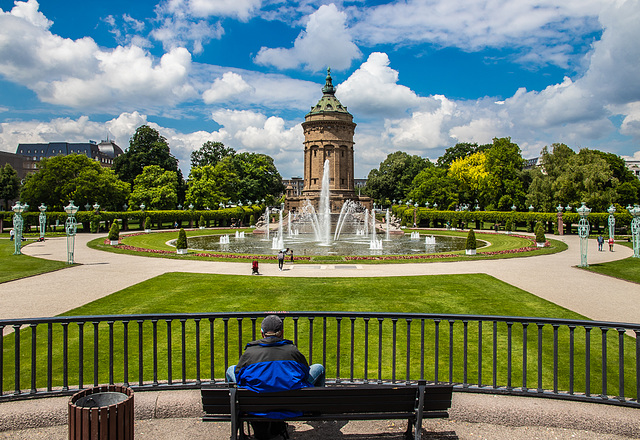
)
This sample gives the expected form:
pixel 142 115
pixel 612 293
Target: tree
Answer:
pixel 210 154
pixel 471 172
pixel 393 180
pixel 9 185
pixel 156 188
pixel 434 185
pixel 146 147
pixel 586 178
pixel 256 176
pixel 458 151
pixel 504 163
pixel 208 186
pixel 74 177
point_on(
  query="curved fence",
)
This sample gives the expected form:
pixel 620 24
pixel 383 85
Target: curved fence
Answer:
pixel 568 359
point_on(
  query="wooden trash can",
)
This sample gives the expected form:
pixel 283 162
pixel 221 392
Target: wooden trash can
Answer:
pixel 101 413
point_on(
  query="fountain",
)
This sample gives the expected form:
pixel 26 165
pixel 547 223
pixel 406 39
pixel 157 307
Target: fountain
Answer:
pixel 224 239
pixel 387 219
pixel 319 232
pixel 267 216
pixel 239 234
pixel 375 242
pixel 430 240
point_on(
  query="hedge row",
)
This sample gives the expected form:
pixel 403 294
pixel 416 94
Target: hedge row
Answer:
pixel 220 217
pixel 430 217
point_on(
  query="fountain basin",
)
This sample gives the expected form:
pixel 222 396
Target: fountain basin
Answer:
pixel 306 244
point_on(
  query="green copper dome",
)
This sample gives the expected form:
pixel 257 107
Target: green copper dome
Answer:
pixel 328 102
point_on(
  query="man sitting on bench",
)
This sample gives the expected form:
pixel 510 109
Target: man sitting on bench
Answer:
pixel 274 364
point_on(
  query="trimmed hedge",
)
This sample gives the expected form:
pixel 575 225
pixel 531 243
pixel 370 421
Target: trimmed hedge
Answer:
pixel 434 218
pixel 471 240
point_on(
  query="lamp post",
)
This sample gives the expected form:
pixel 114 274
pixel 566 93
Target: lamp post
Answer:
pixel 612 221
pixel 96 207
pixel 42 220
pixel 142 206
pixel 583 232
pixel 18 209
pixel 70 228
pixel 635 230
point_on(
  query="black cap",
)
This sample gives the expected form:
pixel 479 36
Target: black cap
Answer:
pixel 271 324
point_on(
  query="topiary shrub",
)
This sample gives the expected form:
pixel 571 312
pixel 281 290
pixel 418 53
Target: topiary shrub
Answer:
pixel 147 223
pixel 114 232
pixel 540 238
pixel 471 240
pixel 252 220
pixel 201 222
pixel 181 243
pixel 508 225
pixel 95 223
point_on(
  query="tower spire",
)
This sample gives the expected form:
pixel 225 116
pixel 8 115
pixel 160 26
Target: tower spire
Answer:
pixel 328 88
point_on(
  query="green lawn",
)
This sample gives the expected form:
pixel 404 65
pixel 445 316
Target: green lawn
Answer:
pixel 13 267
pixel 447 294
pixel 627 269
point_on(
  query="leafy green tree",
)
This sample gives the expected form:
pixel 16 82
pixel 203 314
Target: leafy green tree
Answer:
pixel 472 175
pixel 156 188
pixel 628 193
pixel 210 154
pixel 586 178
pixel 434 185
pixel 74 177
pixel 459 151
pixel 393 180
pixel 504 163
pixel 9 185
pixel 256 176
pixel 208 186
pixel 540 193
pixel 146 147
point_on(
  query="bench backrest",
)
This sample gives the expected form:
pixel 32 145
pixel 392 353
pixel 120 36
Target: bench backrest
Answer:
pixel 332 400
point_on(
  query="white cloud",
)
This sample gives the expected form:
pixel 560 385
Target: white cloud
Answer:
pixel 29 11
pixel 230 85
pixel 79 74
pixel 373 89
pixel 241 9
pixel 326 42
pixel 476 24
pixel 177 31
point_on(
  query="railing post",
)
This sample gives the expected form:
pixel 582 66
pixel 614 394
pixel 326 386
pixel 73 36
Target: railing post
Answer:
pixel 621 364
pixel 509 354
pixel 465 326
pixel 366 349
pixel 604 394
pixel 33 358
pixel 80 355
pixel 525 327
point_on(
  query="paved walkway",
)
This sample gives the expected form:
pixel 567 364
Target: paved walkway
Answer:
pixel 176 415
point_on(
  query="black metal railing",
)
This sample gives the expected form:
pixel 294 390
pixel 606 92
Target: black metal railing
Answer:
pixel 569 359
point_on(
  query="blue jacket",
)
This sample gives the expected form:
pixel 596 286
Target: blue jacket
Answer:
pixel 272 364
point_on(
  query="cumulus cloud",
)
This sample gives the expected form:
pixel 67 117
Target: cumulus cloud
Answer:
pixel 326 41
pixel 474 24
pixel 79 74
pixel 241 9
pixel 373 88
pixel 231 84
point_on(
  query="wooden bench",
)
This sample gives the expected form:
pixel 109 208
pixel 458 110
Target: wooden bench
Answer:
pixel 334 402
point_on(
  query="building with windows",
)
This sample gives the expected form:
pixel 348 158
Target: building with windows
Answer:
pixel 634 166
pixel 328 137
pixel 15 160
pixel 104 153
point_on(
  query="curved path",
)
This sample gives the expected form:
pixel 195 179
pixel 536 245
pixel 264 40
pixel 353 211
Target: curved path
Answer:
pixel 552 277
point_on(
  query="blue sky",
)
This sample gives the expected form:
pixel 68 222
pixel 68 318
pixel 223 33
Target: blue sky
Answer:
pixel 418 76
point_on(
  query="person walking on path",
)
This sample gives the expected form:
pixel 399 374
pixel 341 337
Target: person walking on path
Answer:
pixel 610 244
pixel 281 258
pixel 600 242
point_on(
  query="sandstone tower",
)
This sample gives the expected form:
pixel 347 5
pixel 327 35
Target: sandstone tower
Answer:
pixel 328 135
